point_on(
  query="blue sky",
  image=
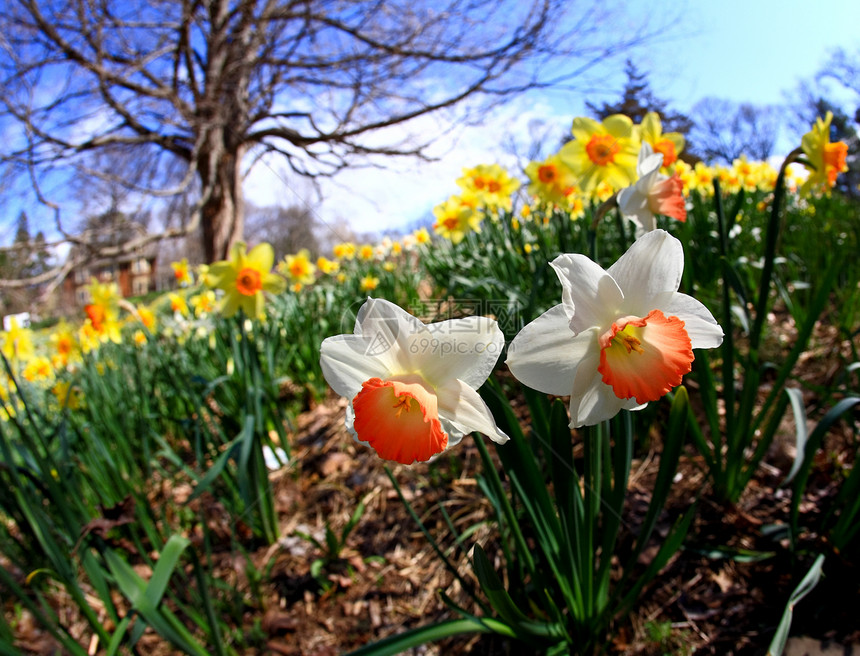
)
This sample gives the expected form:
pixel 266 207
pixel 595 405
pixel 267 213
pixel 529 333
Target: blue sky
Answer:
pixel 743 50
pixel 752 50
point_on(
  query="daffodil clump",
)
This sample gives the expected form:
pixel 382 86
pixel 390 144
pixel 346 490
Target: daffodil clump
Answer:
pixel 16 343
pixel 102 312
pixel 639 168
pixel 490 185
pixel 486 191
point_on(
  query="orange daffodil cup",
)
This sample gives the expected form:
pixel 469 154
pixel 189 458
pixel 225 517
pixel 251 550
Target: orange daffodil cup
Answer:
pixel 620 337
pixel 412 387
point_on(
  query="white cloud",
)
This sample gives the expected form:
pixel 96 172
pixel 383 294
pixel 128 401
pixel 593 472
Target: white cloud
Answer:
pixel 377 199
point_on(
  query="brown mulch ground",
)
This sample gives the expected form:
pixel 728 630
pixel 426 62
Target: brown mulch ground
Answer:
pixel 704 602
pixel 722 595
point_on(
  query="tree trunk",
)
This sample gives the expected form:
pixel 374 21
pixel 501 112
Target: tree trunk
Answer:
pixel 223 213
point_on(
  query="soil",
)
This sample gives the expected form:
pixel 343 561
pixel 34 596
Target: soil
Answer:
pixel 723 594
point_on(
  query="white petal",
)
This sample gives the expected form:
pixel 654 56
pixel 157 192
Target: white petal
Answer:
pixel 454 432
pixel 653 264
pixel 387 329
pixel 589 290
pixel 465 349
pixel 349 421
pixel 634 206
pixel 703 329
pixel 645 151
pixel 650 166
pixel 544 355
pixel 346 364
pixel 464 407
pixel 630 200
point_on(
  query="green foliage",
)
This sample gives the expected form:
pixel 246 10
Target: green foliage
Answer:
pixel 740 439
pixel 331 547
pixel 87 509
pixel 561 522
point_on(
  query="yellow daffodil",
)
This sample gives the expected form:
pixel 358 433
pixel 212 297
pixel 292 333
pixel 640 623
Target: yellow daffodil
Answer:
pixel 369 283
pixel 298 268
pixel 669 144
pixel 65 344
pixel 621 337
pixel 327 266
pixel 366 252
pixel 703 179
pixel 344 251
pixel 602 152
pixel 88 337
pixel 685 174
pixel 826 160
pixel 730 182
pixel 575 206
pixel 105 295
pixel 245 277
pixel 551 180
pixel 178 304
pixel 67 395
pixel 204 276
pixel 422 236
pixel 17 342
pixel 454 219
pixel 103 311
pixel 412 387
pixel 182 273
pixel 203 303
pixel 146 317
pixel 38 369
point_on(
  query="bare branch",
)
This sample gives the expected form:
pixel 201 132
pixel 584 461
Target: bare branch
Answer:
pixel 207 83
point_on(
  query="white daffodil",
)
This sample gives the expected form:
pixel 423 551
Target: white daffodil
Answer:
pixel 412 387
pixel 621 337
pixel 653 193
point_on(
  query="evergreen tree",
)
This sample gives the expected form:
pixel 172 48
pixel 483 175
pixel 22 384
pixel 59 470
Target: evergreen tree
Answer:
pixel 21 261
pixel 637 99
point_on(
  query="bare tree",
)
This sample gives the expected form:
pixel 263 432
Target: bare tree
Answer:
pixel 843 68
pixel 193 93
pixel 287 229
pixel 724 130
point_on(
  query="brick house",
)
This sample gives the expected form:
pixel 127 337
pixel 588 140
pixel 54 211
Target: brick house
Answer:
pixel 134 273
